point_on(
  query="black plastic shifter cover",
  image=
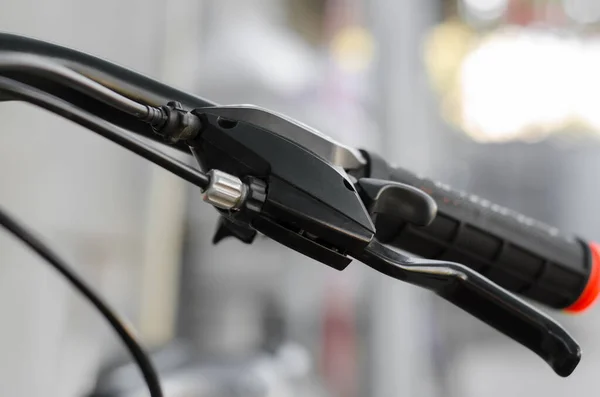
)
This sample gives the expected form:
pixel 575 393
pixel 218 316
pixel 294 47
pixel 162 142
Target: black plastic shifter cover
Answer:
pixel 306 196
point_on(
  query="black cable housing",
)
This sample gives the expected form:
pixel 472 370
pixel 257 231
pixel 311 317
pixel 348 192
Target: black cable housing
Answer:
pixel 135 348
pixel 16 62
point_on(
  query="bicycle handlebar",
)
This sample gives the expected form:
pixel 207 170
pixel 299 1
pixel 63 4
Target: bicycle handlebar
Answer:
pixel 267 173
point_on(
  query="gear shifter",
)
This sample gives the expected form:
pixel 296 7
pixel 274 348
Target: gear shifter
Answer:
pixel 313 207
pixel 394 200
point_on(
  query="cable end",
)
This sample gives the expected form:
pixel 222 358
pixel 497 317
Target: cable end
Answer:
pixel 173 123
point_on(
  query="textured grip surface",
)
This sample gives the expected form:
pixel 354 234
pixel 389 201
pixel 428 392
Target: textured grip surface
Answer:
pixel 522 255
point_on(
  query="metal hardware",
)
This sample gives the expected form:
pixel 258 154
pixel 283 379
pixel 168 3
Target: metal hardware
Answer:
pixel 224 191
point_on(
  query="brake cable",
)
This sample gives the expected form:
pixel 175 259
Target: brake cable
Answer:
pixel 133 345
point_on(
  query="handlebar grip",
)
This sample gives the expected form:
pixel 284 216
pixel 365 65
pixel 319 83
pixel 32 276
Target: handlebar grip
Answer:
pixel 520 254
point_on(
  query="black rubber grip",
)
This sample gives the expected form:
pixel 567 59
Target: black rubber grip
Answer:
pixel 518 253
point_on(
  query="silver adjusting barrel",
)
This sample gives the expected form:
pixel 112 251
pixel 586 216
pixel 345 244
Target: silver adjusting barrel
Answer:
pixel 225 191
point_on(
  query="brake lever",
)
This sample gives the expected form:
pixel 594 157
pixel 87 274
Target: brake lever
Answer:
pixel 483 299
pixel 458 284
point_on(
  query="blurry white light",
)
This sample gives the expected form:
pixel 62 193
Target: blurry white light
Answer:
pixel 589 94
pixel 525 83
pixel 583 11
pixel 486 9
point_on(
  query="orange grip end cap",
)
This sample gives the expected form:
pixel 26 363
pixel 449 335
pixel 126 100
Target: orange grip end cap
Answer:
pixel 592 289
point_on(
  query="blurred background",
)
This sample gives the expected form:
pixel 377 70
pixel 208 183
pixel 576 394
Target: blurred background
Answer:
pixel 498 97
